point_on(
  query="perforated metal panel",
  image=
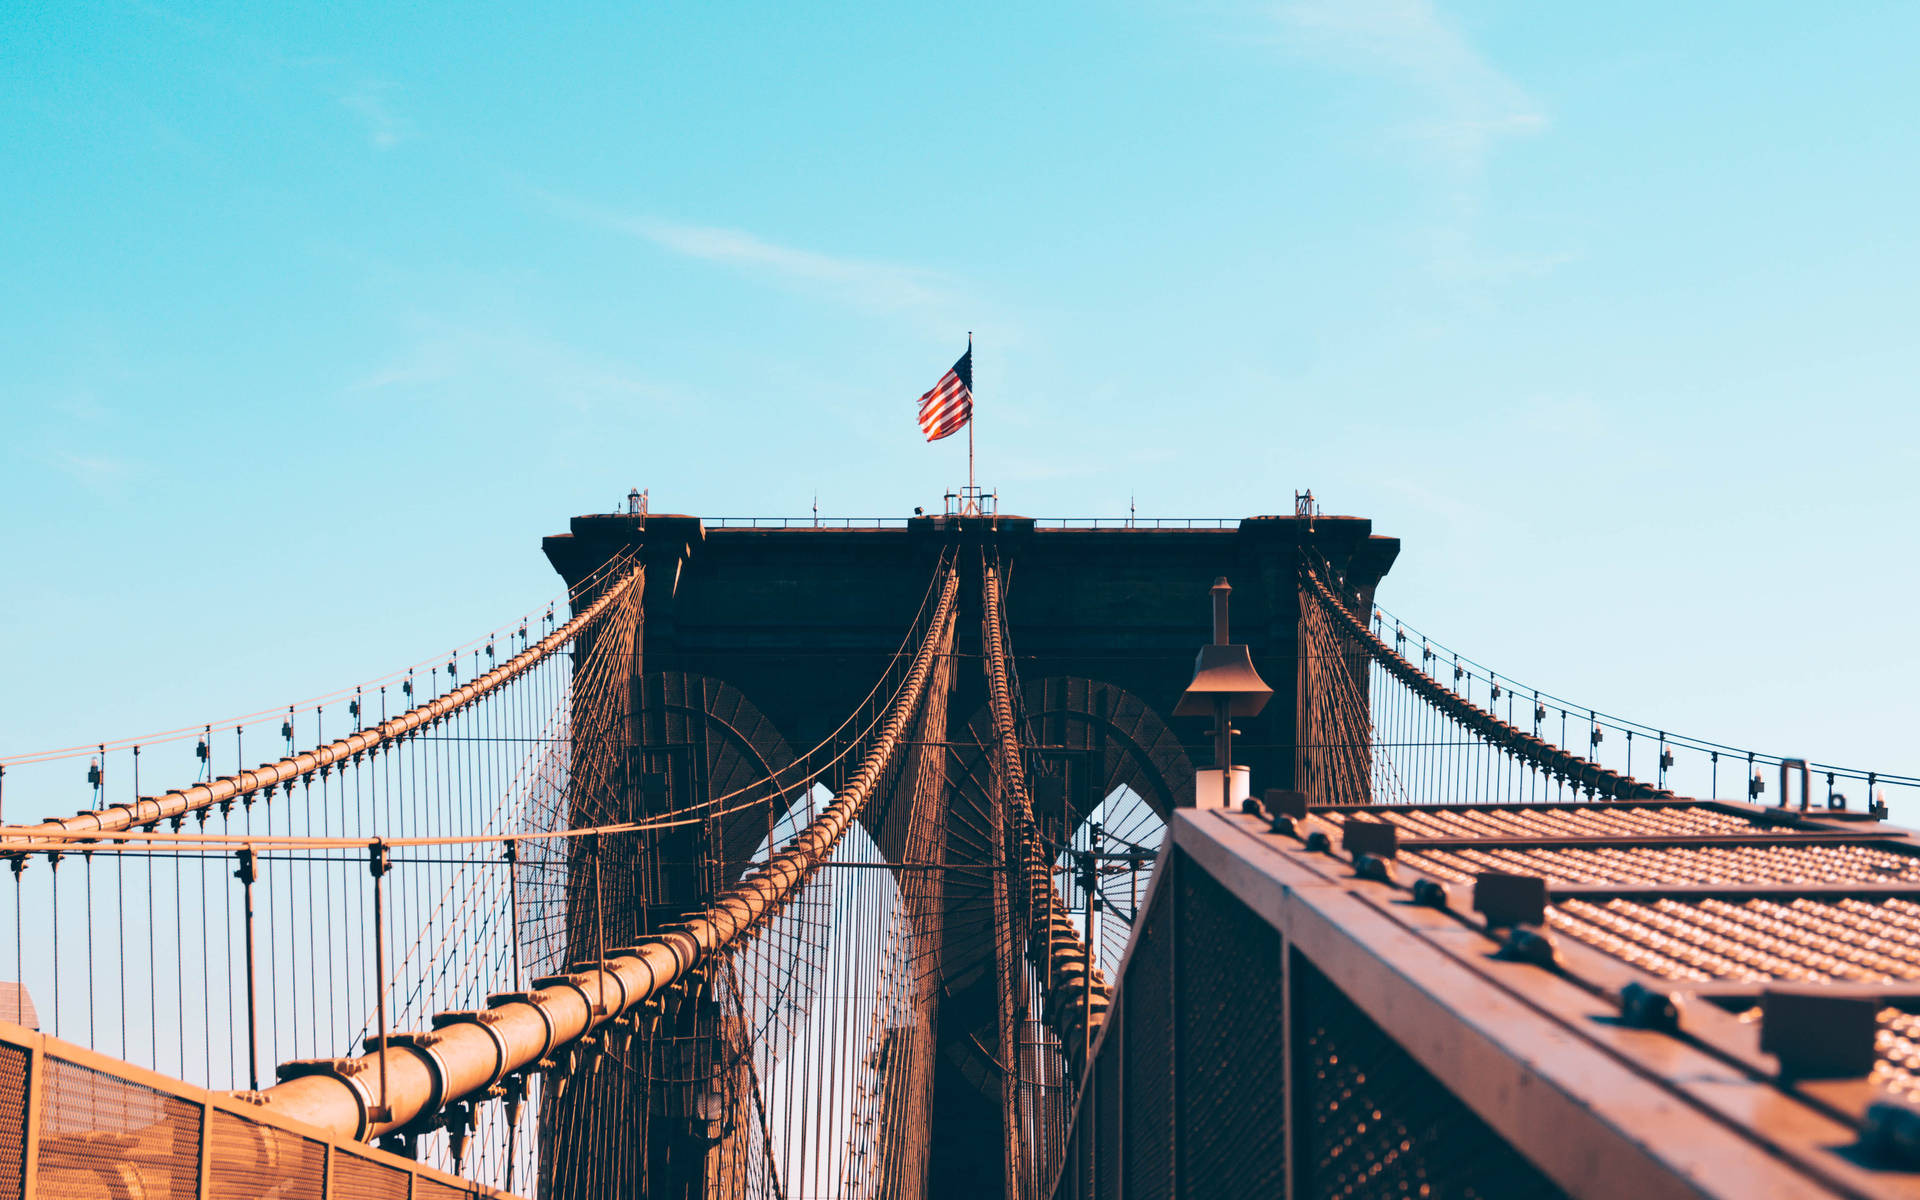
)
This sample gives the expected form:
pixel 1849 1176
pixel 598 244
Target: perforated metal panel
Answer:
pixel 101 1135
pixel 1108 1145
pixel 1231 1051
pixel 364 1180
pixel 1644 866
pixel 1752 941
pixel 13 1122
pixel 1586 821
pixel 1148 1050
pixel 1370 1121
pixel 250 1160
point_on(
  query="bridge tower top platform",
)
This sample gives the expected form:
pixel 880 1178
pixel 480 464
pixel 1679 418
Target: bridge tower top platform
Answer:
pixel 799 616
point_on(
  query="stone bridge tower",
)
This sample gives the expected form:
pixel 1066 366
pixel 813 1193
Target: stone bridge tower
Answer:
pixel 753 643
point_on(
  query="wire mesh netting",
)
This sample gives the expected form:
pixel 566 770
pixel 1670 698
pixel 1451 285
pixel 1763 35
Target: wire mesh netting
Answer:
pixel 250 1160
pixel 1146 1050
pixel 1370 1121
pixel 1212 1081
pixel 13 1113
pixel 1228 1011
pixel 96 1128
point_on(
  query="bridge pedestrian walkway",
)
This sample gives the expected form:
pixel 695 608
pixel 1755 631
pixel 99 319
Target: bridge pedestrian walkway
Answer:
pixel 1669 998
pixel 729 885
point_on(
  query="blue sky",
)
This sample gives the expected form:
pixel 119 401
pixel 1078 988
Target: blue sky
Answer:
pixel 312 322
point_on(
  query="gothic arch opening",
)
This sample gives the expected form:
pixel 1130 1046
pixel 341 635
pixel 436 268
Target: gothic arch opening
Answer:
pixel 698 740
pixel 1106 870
pixel 1096 753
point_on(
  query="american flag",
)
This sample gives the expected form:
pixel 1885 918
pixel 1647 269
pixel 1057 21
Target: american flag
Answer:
pixel 949 406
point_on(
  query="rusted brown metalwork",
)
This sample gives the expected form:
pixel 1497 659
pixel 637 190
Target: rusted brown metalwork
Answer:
pixel 1601 1105
pixel 1724 945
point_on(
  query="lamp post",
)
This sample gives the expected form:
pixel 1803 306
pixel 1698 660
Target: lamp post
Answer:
pixel 1224 686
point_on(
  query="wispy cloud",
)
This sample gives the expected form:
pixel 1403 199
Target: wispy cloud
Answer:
pixel 253 64
pixel 370 102
pixel 860 282
pixel 99 473
pixel 1464 108
pixel 452 353
pixel 83 406
pixel 1467 104
pixel 1455 254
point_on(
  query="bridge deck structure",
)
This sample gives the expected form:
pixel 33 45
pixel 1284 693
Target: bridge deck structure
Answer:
pixel 880 860
pixel 1312 1007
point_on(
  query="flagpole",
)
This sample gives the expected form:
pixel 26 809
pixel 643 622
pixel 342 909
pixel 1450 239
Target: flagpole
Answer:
pixel 970 419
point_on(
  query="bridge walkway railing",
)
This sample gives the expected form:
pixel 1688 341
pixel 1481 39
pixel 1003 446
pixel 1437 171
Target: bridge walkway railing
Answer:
pixel 1288 1026
pixel 74 1123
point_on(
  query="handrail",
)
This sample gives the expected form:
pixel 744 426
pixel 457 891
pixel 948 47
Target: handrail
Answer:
pixel 1474 670
pixel 1598 780
pixel 1060 523
pixel 822 523
pixel 311 704
pixel 1124 523
pixel 180 801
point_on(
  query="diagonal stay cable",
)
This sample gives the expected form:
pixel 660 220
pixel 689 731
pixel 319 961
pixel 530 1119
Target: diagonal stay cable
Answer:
pixel 472 1051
